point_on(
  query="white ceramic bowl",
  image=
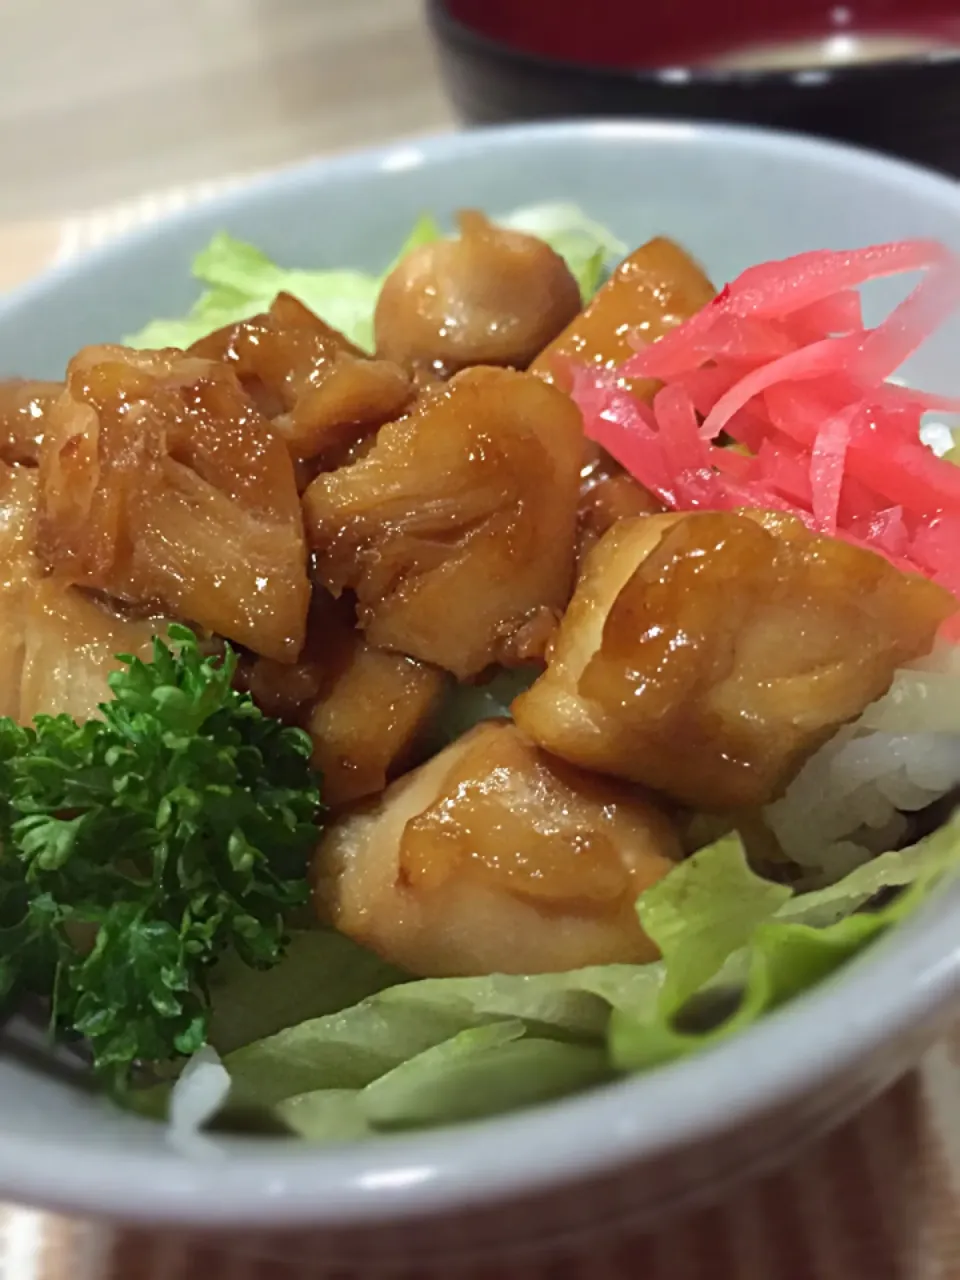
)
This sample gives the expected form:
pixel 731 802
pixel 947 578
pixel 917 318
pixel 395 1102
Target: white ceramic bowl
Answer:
pixel 624 1154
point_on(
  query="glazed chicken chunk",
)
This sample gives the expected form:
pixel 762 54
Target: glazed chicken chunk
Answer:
pixel 57 646
pixel 493 857
pixel 24 405
pixel 322 392
pixel 652 291
pixel 71 645
pixel 706 655
pixel 370 724
pixel 368 712
pixel 608 493
pixel 19 575
pixel 492 296
pixel 457 528
pixel 162 485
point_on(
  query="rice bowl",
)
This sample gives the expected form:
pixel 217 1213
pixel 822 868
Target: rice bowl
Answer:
pixel 863 818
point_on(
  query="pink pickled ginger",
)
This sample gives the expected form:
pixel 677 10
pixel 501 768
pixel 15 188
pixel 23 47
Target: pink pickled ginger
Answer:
pixel 781 363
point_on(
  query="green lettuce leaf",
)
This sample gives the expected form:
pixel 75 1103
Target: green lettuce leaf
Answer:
pixel 712 989
pixel 585 245
pixel 357 1045
pixel 241 281
pixel 481 1072
pixel 781 961
pixel 438 1050
pixel 921 865
pixel 322 972
pixel 702 912
pixel 326 1115
pixel 433 1051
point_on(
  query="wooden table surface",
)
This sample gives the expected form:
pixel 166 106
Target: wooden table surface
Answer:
pixel 102 100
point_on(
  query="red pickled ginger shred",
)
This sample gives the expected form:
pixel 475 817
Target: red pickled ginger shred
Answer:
pixel 827 464
pixel 781 363
pixel 776 289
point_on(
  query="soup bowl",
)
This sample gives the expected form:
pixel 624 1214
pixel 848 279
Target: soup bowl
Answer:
pixel 878 73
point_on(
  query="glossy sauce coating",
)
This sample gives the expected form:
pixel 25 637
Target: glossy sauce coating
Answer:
pixel 608 493
pixel 24 405
pixel 71 646
pixel 495 858
pixel 458 525
pixel 367 711
pixel 321 391
pixel 162 484
pixel 19 574
pixel 491 296
pixel 706 655
pixel 57 646
pixel 652 291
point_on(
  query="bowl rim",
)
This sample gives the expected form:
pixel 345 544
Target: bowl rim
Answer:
pixel 903 982
pixel 448 27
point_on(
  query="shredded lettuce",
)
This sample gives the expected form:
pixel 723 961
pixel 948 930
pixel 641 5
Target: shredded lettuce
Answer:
pixel 586 246
pixel 250 1004
pixel 681 915
pixel 432 1051
pixel 239 281
pixel 358 1045
pixel 770 950
pixel 479 1072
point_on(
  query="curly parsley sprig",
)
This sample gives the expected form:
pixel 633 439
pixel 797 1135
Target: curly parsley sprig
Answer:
pixel 137 848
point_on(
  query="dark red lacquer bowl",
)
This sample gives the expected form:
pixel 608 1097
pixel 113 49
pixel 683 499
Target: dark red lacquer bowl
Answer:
pixel 685 59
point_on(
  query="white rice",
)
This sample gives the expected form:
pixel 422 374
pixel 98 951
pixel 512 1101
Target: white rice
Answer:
pixel 937 436
pixel 849 800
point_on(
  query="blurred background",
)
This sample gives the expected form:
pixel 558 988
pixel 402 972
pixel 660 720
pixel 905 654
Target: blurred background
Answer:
pixel 104 100
pixel 126 108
